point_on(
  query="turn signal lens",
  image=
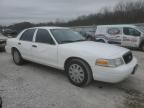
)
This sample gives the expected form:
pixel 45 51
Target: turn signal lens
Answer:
pixel 110 62
pixel 102 62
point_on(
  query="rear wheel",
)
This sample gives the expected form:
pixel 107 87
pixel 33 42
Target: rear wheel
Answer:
pixel 79 73
pixel 17 57
pixel 101 40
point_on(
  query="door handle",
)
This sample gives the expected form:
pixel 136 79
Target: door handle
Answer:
pixel 19 43
pixel 34 46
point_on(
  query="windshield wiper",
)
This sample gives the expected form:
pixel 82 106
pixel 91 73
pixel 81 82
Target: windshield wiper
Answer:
pixel 79 40
pixel 67 41
pixel 70 41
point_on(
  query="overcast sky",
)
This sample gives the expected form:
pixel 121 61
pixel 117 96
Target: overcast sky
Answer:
pixel 12 11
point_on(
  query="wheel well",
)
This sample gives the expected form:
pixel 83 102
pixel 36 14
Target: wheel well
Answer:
pixel 71 58
pixel 12 49
pixel 101 40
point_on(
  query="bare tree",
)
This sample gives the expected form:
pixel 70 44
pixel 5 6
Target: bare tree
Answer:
pixel 123 12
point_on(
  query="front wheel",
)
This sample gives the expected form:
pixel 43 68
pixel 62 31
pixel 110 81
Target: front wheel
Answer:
pixel 79 73
pixel 17 57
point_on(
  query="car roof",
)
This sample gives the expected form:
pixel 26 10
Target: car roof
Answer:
pixel 51 27
pixel 118 25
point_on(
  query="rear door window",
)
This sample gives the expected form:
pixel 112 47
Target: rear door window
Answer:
pixel 27 35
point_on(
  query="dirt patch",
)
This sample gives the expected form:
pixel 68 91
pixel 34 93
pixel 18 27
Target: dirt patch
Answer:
pixel 133 98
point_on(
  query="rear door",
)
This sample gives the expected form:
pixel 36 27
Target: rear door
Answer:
pixel 131 37
pixel 44 49
pixel 25 43
pixel 114 35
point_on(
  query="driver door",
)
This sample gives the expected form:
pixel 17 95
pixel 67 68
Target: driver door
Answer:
pixel 44 48
pixel 131 37
pixel 115 35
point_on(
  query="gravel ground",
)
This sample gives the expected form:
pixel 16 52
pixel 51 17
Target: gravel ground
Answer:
pixel 36 86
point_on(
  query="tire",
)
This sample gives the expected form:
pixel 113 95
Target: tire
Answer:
pixel 142 46
pixel 18 60
pixel 79 73
pixel 89 38
pixel 101 40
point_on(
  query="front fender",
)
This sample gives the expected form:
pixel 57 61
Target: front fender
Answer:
pixel 62 57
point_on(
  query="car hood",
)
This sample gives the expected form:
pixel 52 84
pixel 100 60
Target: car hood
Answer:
pixel 98 49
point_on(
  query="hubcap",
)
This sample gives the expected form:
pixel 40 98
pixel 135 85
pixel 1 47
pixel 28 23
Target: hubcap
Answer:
pixel 76 73
pixel 16 57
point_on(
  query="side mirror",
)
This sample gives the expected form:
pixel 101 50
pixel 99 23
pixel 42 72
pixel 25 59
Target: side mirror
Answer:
pixel 139 34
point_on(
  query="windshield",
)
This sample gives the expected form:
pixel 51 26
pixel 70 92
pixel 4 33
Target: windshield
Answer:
pixel 66 36
pixel 141 28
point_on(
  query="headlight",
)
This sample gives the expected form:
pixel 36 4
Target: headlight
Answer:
pixel 109 62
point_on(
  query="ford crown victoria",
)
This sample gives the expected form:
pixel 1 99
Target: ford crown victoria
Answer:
pixel 67 50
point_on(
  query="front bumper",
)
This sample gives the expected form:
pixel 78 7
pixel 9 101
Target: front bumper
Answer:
pixel 114 75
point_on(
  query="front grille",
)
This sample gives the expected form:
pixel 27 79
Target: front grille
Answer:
pixel 128 57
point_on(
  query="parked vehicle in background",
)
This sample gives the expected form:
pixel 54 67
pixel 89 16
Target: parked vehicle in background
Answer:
pixel 9 32
pixel 67 50
pixel 3 40
pixel 87 35
pixel 87 31
pixel 123 35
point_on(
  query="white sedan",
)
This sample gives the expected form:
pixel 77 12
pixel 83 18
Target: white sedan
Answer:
pixel 67 50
